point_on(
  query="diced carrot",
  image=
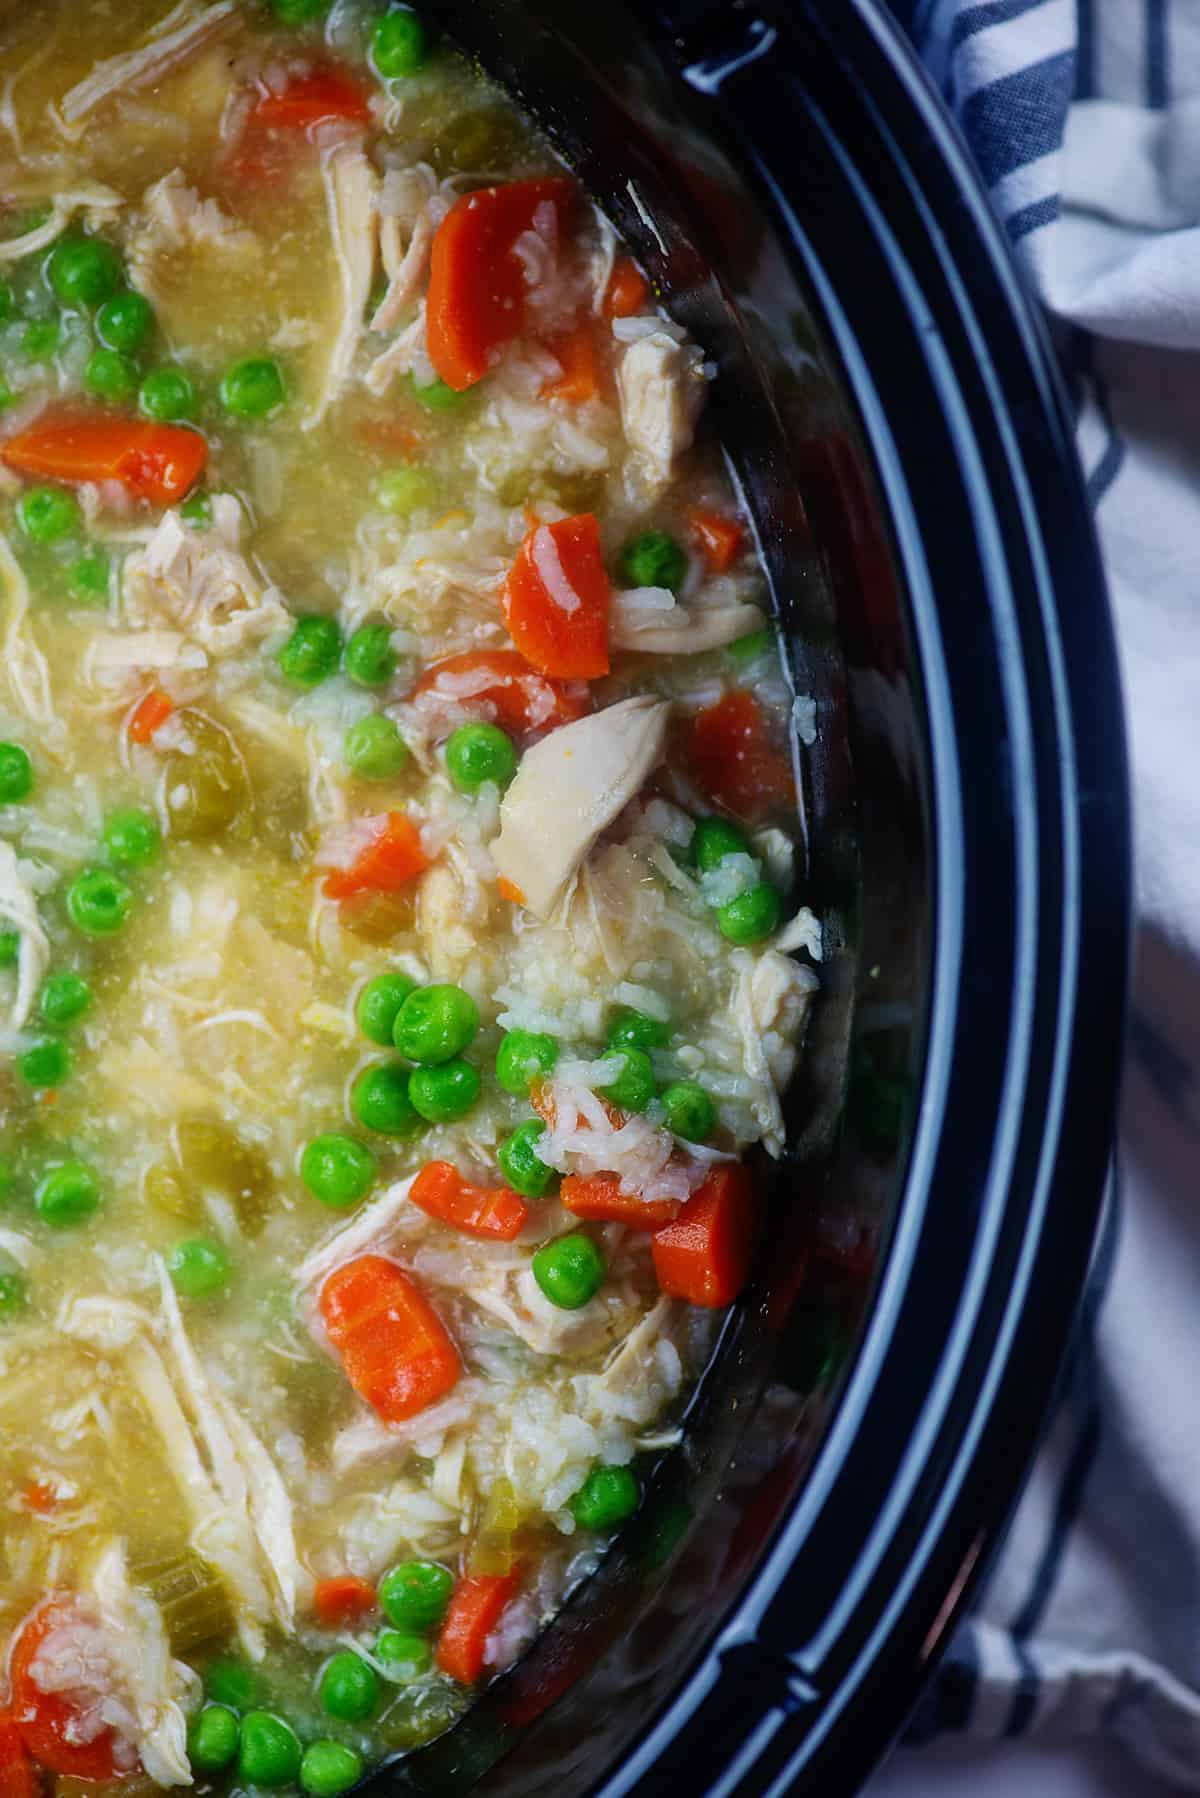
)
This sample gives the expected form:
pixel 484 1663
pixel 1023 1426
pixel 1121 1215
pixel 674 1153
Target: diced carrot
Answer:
pixel 704 1256
pixel 48 1722
pixel 477 283
pixel 628 290
pixel 149 714
pixel 729 754
pixel 598 1197
pixel 395 1349
pixel 556 600
pixel 18 1776
pixel 152 461
pixel 343 1600
pixel 719 536
pixel 497 1214
pixel 308 100
pixel 475 1609
pixel 508 889
pixel 391 859
pixel 39 1496
pixel 575 353
pixel 516 695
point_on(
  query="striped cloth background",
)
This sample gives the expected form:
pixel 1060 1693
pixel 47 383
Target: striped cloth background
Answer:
pixel 1084 118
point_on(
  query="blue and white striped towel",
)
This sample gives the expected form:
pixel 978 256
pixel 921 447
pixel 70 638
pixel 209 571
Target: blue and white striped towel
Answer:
pixel 1084 117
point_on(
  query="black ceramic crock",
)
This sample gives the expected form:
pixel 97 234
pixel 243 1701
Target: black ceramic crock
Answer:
pixel 891 407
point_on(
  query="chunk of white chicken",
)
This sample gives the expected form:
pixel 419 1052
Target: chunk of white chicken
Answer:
pixel 199 581
pixel 18 911
pixel 641 1376
pixel 368 1233
pixel 452 907
pixel 569 788
pixel 351 194
pixel 134 69
pixel 650 621
pixel 25 667
pixel 774 995
pixel 176 216
pixel 661 384
pixel 157 1690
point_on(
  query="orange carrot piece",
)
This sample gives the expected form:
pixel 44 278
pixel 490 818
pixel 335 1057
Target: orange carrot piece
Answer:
pixel 47 1721
pixel 704 1256
pixel 519 698
pixel 391 859
pixel 150 714
pixel 395 1349
pixel 628 290
pixel 556 600
pixel 40 1497
pixel 496 1214
pixel 19 1777
pixel 731 757
pixel 599 1199
pixel 719 536
pixel 308 100
pixel 152 461
pixel 508 889
pixel 474 1611
pixel 477 282
pixel 342 1600
pixel 575 353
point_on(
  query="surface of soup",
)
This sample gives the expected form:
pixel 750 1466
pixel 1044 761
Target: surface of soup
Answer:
pixel 399 949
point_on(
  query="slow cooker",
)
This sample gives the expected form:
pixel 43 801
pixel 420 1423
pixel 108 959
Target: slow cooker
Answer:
pixel 891 407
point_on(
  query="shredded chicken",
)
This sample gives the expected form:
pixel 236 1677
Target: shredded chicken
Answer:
pixel 450 900
pixel 412 205
pixel 650 621
pixel 569 788
pixel 158 1690
pixel 661 385
pixel 642 1374
pixel 138 68
pixel 368 1233
pixel 516 1300
pixel 351 194
pixel 19 912
pixel 773 998
pixel 199 581
pixel 174 216
pixel 404 355
pixel 91 197
pixel 24 663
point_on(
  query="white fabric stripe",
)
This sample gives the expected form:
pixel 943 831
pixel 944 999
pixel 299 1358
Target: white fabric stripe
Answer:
pixel 1036 181
pixel 1006 49
pixel 1120 50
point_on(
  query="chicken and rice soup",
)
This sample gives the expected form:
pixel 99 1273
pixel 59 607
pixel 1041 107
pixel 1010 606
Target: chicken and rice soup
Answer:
pixel 399 945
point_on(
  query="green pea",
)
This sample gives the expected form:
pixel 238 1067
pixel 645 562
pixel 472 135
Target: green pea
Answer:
pixel 269 1753
pixel 379 1005
pixel 253 387
pixel 712 840
pixel 445 1092
pixel 40 339
pixel 398 44
pixel 348 1687
pixel 690 1111
pixel 523 1057
pixel 569 1271
pixel 406 490
pixel 607 1497
pixel 131 837
pixel 328 1769
pixel 521 1164
pixel 369 658
pixel 653 560
pixel 437 395
pixel 632 1029
pixel 299 12
pixel 110 375
pixel 84 271
pixel 375 750
pixel 168 395
pixel 47 513
pixel 405 1657
pixel 46 1065
pixel 435 1024
pixel 750 649
pixel 337 1170
pixel 311 653
pixel 751 916
pixel 10 948
pixel 196 511
pixel 213 1737
pixel 476 753
pixel 229 1681
pixel 16 774
pixel 199 1268
pixel 14 1294
pixel 90 574
pixel 379 1101
pixel 124 322
pixel 64 998
pixel 98 902
pixel 633 1088
pixel 414 1594
pixel 67 1195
